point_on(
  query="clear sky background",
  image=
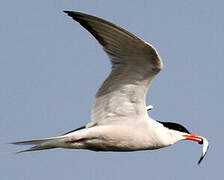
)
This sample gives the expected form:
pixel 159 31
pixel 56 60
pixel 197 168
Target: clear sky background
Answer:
pixel 51 68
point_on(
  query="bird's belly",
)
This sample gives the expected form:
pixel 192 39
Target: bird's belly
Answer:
pixel 96 145
pixel 120 139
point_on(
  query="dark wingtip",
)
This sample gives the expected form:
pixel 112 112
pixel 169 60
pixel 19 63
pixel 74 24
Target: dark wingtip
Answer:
pixel 67 12
pixel 74 15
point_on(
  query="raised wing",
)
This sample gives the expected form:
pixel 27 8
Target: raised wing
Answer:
pixel 135 63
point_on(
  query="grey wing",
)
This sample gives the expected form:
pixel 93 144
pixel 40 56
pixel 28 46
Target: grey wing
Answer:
pixel 135 63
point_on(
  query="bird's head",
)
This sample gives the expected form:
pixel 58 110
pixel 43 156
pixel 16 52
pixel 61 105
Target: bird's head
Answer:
pixel 179 133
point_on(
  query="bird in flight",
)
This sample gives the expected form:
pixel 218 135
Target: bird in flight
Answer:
pixel 119 119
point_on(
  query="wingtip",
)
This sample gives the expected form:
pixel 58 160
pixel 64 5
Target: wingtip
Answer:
pixel 69 13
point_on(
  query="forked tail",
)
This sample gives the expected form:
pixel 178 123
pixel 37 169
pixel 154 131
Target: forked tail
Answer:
pixel 41 144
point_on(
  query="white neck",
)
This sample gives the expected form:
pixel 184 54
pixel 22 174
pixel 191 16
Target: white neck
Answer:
pixel 166 136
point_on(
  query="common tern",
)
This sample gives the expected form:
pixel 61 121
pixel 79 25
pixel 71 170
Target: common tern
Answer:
pixel 119 120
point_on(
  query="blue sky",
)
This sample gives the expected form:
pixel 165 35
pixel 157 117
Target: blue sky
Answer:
pixel 51 68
